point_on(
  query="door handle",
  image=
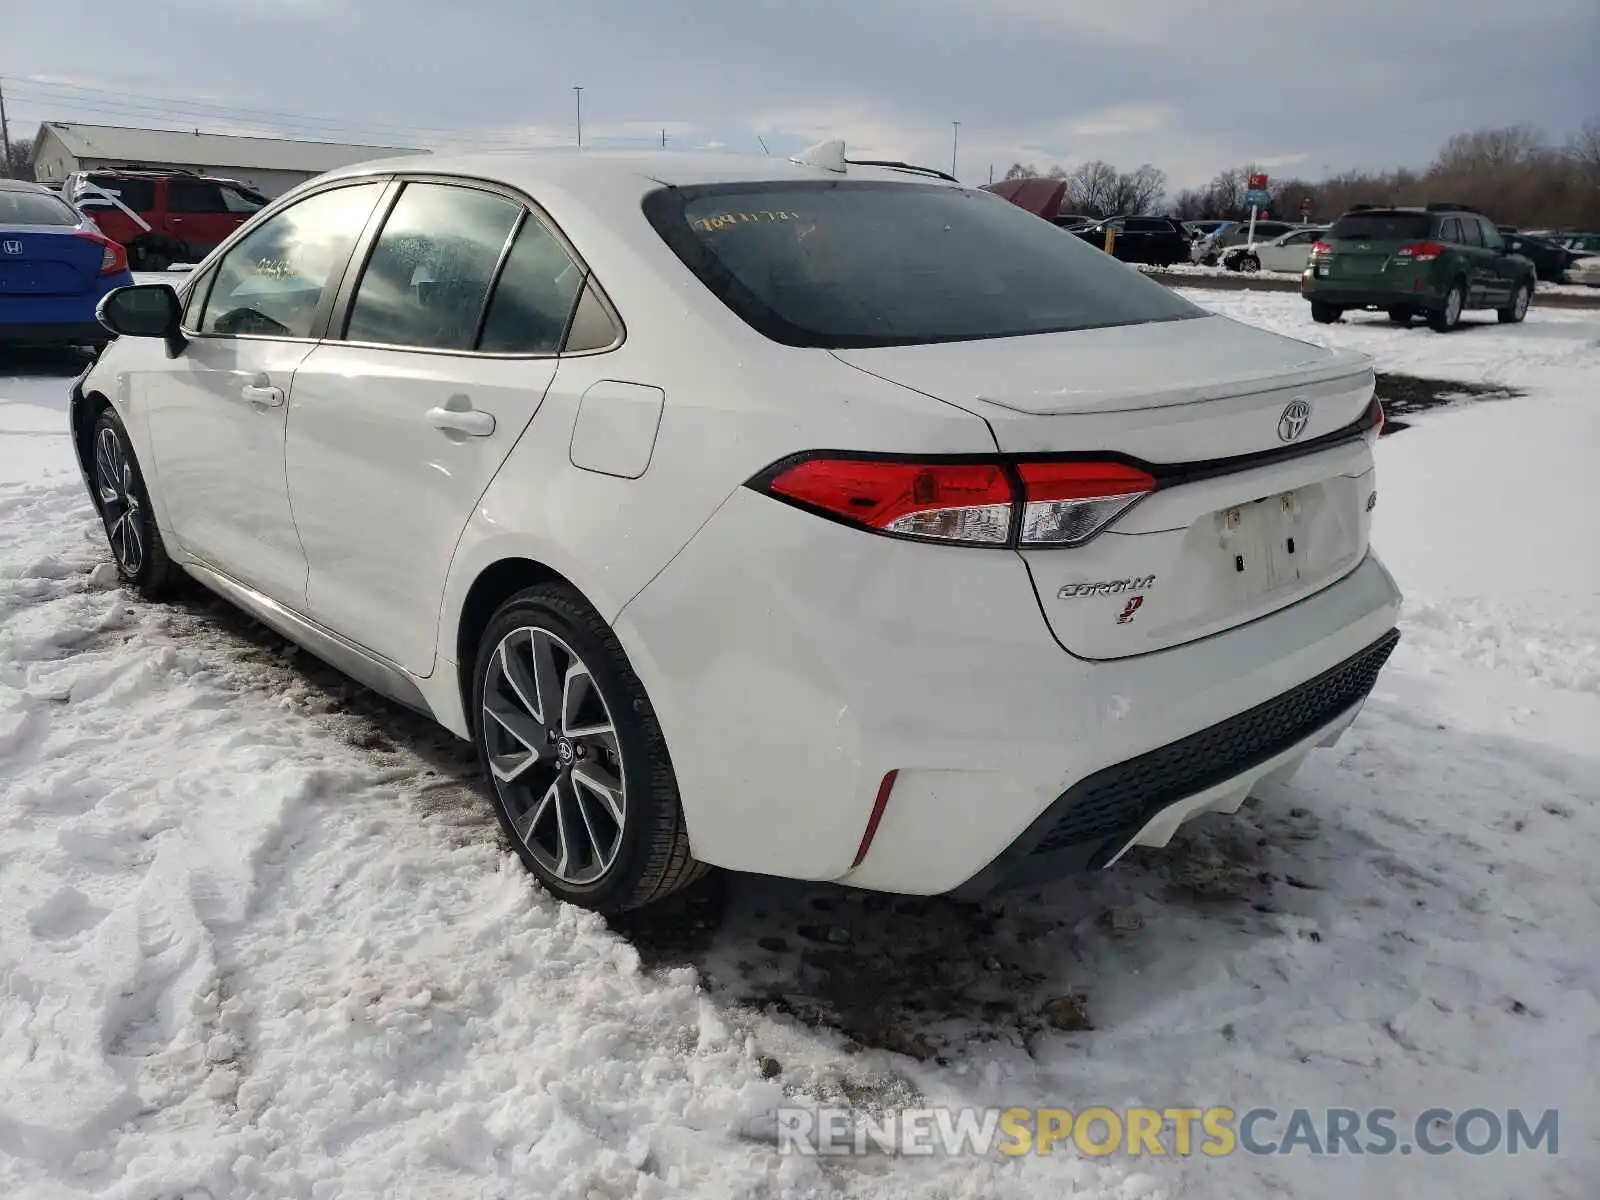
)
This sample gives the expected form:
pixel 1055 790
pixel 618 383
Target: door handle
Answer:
pixel 469 421
pixel 262 396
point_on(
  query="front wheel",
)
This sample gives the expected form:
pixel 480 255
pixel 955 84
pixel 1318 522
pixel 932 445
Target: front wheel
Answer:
pixel 583 784
pixel 124 504
pixel 1518 308
pixel 1443 320
pixel 1325 314
pixel 1248 263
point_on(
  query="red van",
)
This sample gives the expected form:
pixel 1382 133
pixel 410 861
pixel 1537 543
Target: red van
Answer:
pixel 163 216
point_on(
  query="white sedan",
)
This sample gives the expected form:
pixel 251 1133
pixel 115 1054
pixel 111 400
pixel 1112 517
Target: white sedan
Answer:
pixel 1288 252
pixel 804 517
pixel 1585 271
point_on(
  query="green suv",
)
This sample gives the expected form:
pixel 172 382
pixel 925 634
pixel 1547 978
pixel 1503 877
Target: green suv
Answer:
pixel 1435 262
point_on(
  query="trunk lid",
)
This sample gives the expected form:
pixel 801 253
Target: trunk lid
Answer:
pixel 1364 243
pixel 1243 522
pixel 40 262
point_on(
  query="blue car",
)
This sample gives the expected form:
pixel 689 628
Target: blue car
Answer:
pixel 55 266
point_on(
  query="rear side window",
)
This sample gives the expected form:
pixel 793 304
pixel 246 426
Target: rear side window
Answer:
pixel 428 277
pixel 1450 231
pixel 534 298
pixel 34 208
pixel 1471 234
pixel 186 197
pixel 137 194
pixel 271 283
pixel 869 263
pixel 1382 226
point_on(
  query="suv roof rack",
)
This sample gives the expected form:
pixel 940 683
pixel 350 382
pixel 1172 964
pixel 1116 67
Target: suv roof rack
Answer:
pixel 1447 206
pixel 895 165
pixel 143 167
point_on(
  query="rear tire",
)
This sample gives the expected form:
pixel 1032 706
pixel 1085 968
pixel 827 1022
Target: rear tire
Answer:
pixel 1325 314
pixel 583 784
pixel 126 513
pixel 1447 318
pixel 148 258
pixel 1518 309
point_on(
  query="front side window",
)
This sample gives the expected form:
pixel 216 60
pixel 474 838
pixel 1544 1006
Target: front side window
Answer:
pixel 271 283
pixel 428 277
pixel 868 263
pixel 533 301
pixel 1491 235
pixel 242 200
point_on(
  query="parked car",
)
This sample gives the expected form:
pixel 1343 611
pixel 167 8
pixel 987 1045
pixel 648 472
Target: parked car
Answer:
pixel 1585 270
pixel 164 217
pixel 1160 241
pixel 55 267
pixel 1550 261
pixel 1437 262
pixel 1287 252
pixel 1583 243
pixel 759 513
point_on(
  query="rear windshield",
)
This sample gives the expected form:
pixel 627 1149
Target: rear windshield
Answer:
pixel 34 208
pixel 1382 226
pixel 868 263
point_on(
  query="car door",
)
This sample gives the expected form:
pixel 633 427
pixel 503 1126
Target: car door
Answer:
pixel 1290 252
pixel 1498 266
pixel 398 424
pixel 216 412
pixel 197 216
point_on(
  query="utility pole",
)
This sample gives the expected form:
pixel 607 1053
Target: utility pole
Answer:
pixel 955 140
pixel 663 139
pixel 991 172
pixel 578 92
pixel 5 132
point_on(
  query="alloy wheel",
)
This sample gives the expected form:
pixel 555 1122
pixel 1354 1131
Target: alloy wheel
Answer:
pixel 554 755
pixel 1520 304
pixel 119 503
pixel 1452 306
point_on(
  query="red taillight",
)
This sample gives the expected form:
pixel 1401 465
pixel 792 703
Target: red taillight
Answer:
pixel 969 503
pixel 1420 251
pixel 113 258
pixel 1321 248
pixel 1067 503
pixel 963 502
pixel 1376 417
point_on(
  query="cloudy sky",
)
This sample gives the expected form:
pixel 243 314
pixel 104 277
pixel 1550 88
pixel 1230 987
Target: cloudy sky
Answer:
pixel 1301 87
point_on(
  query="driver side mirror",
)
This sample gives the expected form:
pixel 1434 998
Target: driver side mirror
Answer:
pixel 145 310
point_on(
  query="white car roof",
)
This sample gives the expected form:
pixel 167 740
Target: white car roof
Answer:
pixel 593 174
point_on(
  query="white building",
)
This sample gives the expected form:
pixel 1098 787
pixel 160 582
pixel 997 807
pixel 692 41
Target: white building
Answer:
pixel 270 165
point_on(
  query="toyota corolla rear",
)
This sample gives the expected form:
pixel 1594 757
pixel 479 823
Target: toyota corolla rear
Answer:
pixel 1132 584
pixel 55 267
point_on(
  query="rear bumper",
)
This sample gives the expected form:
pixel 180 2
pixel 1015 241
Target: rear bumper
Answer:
pixel 57 320
pixel 1142 800
pixel 793 663
pixel 61 333
pixel 1346 297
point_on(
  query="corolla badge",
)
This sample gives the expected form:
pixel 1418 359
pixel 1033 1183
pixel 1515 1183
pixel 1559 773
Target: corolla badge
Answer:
pixel 1109 587
pixel 1293 421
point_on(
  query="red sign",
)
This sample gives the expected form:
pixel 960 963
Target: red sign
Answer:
pixel 1258 181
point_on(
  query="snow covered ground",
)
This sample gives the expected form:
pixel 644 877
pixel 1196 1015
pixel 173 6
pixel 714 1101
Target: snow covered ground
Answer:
pixel 1543 287
pixel 259 937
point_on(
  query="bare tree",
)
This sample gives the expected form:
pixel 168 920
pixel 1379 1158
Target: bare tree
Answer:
pixel 20 164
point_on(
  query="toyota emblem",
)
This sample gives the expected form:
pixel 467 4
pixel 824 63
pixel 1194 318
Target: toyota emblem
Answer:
pixel 1294 420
